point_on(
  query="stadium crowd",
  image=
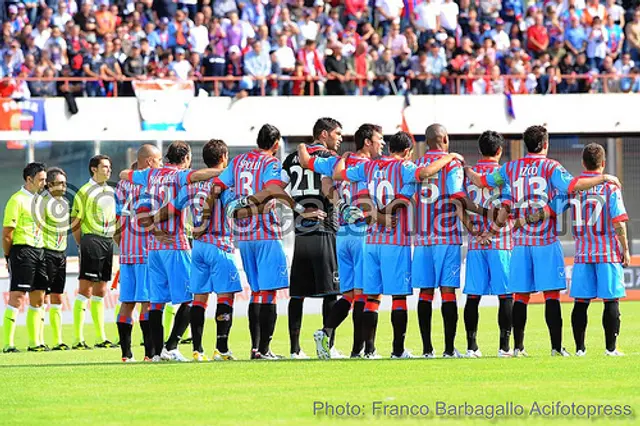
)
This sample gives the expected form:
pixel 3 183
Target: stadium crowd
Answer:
pixel 302 47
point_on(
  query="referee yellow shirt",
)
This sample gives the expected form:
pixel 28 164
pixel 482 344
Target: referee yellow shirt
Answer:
pixel 56 222
pixel 95 205
pixel 22 214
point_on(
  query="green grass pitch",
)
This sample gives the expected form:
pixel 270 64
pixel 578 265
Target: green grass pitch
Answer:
pixel 94 387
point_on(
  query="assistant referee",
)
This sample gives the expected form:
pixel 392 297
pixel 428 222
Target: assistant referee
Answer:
pixel 93 219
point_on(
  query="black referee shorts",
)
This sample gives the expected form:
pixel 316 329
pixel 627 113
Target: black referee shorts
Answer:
pixel 96 258
pixel 56 270
pixel 314 269
pixel 27 269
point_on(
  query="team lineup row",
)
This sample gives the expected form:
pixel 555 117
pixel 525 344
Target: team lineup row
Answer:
pixel 510 212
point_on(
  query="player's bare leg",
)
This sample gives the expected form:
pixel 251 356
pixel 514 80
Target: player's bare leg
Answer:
pixel 520 304
pixel 370 325
pixel 425 310
pixel 224 320
pixel 197 318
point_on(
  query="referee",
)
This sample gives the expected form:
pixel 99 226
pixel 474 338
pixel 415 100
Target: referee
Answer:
pixel 23 244
pixel 93 219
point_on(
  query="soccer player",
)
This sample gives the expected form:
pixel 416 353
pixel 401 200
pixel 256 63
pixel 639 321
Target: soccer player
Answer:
pixel 256 177
pixel 314 268
pixel 602 249
pixel 132 241
pixel 488 262
pixel 56 227
pixel 93 222
pixel 23 245
pixel 537 262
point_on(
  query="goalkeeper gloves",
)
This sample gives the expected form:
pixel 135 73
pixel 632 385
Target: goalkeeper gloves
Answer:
pixel 349 214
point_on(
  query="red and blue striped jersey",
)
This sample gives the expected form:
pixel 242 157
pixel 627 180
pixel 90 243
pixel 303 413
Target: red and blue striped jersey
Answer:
pixel 487 197
pixel 387 178
pixel 161 187
pixel 437 222
pixel 248 174
pixel 534 180
pixel 593 214
pixel 133 237
pixel 218 228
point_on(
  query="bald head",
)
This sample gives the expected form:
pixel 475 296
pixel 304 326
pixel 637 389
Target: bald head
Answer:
pixel 149 156
pixel 436 136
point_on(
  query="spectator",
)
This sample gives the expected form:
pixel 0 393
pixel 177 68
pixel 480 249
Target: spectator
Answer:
pixel 313 66
pixel 615 12
pixel 42 33
pixel 355 10
pixel 594 10
pixel 385 67
pixel 596 43
pixel 213 65
pixel 263 38
pixel 449 17
pixel 92 68
pixel 389 12
pixel 233 87
pixel 517 84
pixel 490 9
pixel 575 37
pixel 616 37
pixel 436 69
pixel 537 36
pixel 162 68
pixel 181 67
pixel 199 35
pixel 57 46
pixel 426 20
pixel 189 6
pixel 403 69
pixel 43 88
pixel 633 36
pixel 309 28
pixel 61 17
pixel 557 50
pixel 30 48
pixel 82 16
pixel 133 67
pixel 624 65
pixel 338 73
pixel 111 70
pixel 222 8
pixel 362 66
pixel 286 59
pixel 395 41
pixel 496 83
pixel 254 13
pixel 179 30
pixel 582 70
pixel 500 36
pixel 234 31
pixel 257 66
pixel 160 36
pixel 105 20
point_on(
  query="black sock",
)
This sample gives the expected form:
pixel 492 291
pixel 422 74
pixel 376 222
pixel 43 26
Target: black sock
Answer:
pixel 425 311
pixel 338 314
pixel 327 306
pixel 519 324
pixel 579 323
pixel 611 323
pixel 145 326
pixel 450 319
pixel 157 330
pixel 254 324
pixel 224 319
pixel 505 321
pixel 471 321
pixel 180 324
pixel 197 315
pixel 399 319
pixel 553 316
pixel 358 339
pixel 369 325
pixel 124 333
pixel 268 316
pixel 295 323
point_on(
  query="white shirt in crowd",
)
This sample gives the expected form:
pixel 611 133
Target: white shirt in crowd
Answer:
pixel 597 46
pixel 391 8
pixel 199 38
pixel 502 40
pixel 181 68
pixel 426 14
pixel 308 31
pixel 60 20
pixel 449 15
pixel 616 12
pixel 624 69
pixel 285 57
pixel 40 38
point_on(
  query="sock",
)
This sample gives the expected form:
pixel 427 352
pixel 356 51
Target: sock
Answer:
pixel 268 317
pixel 180 324
pixel 33 324
pixel 147 339
pixel 198 311
pixel 125 326
pixel 471 321
pixel 224 319
pixel 520 302
pixel 611 323
pixel 41 317
pixel 254 319
pixel 167 320
pixel 425 310
pixel 338 313
pixel 79 312
pixel 553 316
pixel 399 319
pixel 579 322
pixel 9 326
pixel 328 303
pixel 505 321
pixel 369 325
pixel 295 323
pixel 55 319
pixel 156 326
pixel 97 315
pixel 358 310
pixel 449 311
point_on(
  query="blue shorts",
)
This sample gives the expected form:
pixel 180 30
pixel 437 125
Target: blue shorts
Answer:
pixel 436 266
pixel 597 280
pixel 134 284
pixel 387 270
pixel 213 270
pixel 265 264
pixel 350 251
pixel 537 268
pixel 487 272
pixel 169 272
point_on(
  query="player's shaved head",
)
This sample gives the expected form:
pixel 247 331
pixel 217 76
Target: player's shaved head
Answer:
pixel 147 151
pixel 436 135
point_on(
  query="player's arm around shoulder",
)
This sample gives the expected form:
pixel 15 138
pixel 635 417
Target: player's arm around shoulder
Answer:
pixel 424 172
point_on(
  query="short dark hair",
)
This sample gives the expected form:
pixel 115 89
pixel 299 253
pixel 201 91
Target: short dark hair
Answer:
pixel 399 142
pixel 268 136
pixel 490 142
pixel 325 123
pixel 534 138
pixel 593 156
pixel 33 169
pixel 364 132
pixel 95 161
pixel 213 152
pixel 177 152
pixel 53 172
